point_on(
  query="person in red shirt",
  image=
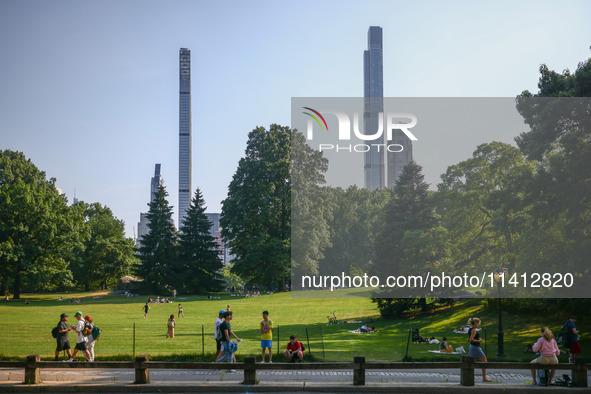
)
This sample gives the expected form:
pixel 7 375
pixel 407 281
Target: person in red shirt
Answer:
pixel 294 350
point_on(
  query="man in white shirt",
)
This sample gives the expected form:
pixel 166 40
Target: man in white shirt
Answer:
pixel 81 340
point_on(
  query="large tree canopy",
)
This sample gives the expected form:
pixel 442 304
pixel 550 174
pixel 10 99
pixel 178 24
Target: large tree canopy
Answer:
pixel 37 230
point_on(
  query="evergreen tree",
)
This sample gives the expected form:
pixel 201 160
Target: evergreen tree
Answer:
pixel 158 251
pixel 199 264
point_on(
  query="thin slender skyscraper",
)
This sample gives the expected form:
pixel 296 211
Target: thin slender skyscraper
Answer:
pixel 184 133
pixel 373 104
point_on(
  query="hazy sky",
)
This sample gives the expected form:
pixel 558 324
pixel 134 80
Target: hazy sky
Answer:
pixel 89 89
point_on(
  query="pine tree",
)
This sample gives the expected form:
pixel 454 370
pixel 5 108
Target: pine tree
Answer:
pixel 158 252
pixel 199 266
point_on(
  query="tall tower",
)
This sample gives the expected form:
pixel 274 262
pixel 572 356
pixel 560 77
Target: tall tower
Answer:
pixel 184 133
pixel 373 83
pixel 143 225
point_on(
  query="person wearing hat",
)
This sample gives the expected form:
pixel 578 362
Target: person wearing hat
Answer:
pixel 81 340
pixel 218 337
pixel 294 350
pixel 63 343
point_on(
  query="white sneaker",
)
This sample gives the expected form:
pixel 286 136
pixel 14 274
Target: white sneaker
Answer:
pixel 69 360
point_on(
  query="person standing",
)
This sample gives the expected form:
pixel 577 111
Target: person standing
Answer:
pixel 146 309
pixel 218 337
pixel 181 313
pixel 475 340
pixel 267 335
pixel 171 323
pixel 81 340
pixel 573 335
pixel 63 343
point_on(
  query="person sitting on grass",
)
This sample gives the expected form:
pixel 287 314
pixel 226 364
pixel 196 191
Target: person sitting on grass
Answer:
pixel 444 347
pixel 294 350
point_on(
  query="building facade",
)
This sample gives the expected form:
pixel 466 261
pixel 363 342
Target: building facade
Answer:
pixel 143 225
pixel 184 133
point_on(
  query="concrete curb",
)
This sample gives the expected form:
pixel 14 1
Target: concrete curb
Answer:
pixel 220 387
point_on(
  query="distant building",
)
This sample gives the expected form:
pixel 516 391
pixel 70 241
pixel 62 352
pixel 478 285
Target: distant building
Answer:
pixel 216 231
pixel 184 133
pixel 373 93
pixel 143 225
pixel 376 174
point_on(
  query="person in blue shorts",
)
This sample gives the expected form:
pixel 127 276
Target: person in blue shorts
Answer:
pixel 267 335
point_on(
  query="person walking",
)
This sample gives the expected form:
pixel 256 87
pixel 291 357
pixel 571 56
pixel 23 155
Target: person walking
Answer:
pixel 171 324
pixel 475 340
pixel 218 336
pixel 548 349
pixel 267 335
pixel 573 335
pixel 91 340
pixel 227 347
pixel 146 309
pixel 81 340
pixel 63 342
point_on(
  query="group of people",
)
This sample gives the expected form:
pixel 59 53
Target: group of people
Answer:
pixel 86 337
pixel 546 346
pixel 226 347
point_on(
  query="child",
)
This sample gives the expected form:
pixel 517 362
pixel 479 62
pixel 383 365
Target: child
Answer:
pixel 181 311
pixel 171 324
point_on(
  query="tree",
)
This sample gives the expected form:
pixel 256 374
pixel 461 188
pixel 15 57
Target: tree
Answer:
pixel 158 251
pixel 36 227
pixel 199 264
pixel 411 240
pixel 256 213
pixel 105 254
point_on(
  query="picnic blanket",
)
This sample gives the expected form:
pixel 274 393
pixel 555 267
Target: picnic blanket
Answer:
pixel 440 352
pixel 361 332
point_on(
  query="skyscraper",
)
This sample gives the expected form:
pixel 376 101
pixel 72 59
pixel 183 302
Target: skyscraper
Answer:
pixel 373 105
pixel 184 133
pixel 142 226
pixel 380 173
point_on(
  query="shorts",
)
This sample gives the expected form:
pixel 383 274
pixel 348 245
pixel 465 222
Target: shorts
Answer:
pixel 266 343
pixel 475 351
pixel 62 345
pixel 81 346
pixel 575 348
pixel 546 360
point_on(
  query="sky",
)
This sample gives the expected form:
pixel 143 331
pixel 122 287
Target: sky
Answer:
pixel 89 89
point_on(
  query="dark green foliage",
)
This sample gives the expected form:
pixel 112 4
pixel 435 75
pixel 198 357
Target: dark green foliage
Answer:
pixel 104 254
pixel 158 251
pixel 37 229
pixel 199 265
pixel 256 214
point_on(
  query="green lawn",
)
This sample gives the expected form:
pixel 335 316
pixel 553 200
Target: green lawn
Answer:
pixel 26 329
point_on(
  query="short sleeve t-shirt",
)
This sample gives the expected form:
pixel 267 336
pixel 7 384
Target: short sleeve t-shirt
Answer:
pixel 294 346
pixel 62 336
pixel 225 326
pixel 80 329
pixel 268 336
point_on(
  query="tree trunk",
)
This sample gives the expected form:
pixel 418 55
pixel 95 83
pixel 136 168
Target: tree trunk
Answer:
pixel 17 286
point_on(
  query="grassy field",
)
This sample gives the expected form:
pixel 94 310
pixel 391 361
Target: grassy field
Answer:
pixel 26 329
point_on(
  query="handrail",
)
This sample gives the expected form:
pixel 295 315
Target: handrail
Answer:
pixel 142 365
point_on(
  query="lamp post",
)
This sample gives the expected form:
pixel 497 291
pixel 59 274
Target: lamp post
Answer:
pixel 500 274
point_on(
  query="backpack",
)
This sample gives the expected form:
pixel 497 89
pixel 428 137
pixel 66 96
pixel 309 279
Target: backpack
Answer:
pixel 543 377
pixel 301 345
pixel 87 329
pixel 96 332
pixel 55 332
